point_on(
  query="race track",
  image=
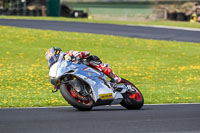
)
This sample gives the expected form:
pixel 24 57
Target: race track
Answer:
pixel 184 118
pixel 106 119
pixel 109 29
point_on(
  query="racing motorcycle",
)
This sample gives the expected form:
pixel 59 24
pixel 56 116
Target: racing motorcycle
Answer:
pixel 84 87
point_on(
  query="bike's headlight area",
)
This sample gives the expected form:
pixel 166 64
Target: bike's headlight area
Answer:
pixel 54 81
pixel 53 70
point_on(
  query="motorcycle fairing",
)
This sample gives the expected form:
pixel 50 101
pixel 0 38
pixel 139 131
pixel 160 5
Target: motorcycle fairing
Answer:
pixel 92 77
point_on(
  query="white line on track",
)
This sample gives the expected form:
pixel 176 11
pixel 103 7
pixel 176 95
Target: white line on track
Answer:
pixel 169 27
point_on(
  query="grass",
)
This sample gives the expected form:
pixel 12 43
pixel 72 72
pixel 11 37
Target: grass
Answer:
pixel 165 71
pixel 160 22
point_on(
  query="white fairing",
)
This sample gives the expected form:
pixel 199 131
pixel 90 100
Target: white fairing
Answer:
pixel 53 70
pixel 100 86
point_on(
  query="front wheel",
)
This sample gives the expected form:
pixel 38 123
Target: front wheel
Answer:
pixel 83 103
pixel 132 100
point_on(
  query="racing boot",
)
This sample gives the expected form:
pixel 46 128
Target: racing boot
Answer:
pixel 99 65
pixel 114 77
pixel 108 71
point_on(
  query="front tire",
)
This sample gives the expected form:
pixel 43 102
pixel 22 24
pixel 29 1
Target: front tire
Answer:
pixel 132 100
pixel 83 103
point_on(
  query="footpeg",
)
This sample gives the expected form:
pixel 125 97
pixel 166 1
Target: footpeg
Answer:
pixel 119 88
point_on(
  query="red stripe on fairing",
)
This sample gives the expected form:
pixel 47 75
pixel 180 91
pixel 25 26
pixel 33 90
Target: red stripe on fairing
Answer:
pixel 85 68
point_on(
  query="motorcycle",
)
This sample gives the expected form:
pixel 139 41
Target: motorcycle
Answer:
pixel 84 87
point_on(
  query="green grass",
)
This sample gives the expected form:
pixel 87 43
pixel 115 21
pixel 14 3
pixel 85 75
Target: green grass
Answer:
pixel 160 23
pixel 165 71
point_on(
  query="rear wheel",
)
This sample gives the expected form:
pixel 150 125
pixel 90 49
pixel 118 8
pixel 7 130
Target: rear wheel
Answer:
pixel 77 100
pixel 132 100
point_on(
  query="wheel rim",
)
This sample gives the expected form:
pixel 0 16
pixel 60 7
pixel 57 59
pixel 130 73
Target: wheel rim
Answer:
pixel 79 98
pixel 135 96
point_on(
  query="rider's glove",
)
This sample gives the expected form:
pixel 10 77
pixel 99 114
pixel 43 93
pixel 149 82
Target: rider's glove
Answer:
pixel 74 59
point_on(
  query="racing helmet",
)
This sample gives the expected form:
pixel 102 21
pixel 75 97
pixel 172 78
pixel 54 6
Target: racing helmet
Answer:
pixel 52 55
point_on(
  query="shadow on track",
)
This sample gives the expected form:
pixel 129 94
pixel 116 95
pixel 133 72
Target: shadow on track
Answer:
pixel 102 108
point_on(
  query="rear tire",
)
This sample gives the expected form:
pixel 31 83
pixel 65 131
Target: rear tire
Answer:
pixel 131 100
pixel 82 105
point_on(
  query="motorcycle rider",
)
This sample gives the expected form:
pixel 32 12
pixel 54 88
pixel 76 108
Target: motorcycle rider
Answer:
pixel 93 61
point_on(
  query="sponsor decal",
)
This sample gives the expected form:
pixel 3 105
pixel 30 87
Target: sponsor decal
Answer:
pixel 89 74
pixel 105 96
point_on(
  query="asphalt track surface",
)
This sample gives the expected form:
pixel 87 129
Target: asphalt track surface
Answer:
pixel 109 29
pixel 105 119
pixel 184 118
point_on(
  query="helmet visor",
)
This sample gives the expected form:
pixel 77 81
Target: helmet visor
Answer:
pixel 52 60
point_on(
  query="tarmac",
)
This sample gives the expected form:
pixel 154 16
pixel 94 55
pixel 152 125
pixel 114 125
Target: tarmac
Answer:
pixel 146 32
pixel 169 118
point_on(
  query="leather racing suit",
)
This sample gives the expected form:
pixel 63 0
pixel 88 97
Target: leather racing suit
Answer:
pixel 92 61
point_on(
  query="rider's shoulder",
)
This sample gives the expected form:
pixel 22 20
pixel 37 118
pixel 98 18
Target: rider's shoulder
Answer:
pixel 69 52
pixel 72 52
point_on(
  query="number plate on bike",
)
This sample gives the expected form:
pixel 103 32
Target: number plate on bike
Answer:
pixel 105 96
